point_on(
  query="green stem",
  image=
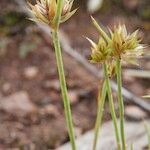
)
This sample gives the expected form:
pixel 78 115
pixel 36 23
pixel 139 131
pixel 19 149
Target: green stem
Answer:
pixel 112 109
pixel 60 67
pixel 64 89
pixel 58 14
pixel 121 104
pixel 148 133
pixel 132 148
pixel 101 102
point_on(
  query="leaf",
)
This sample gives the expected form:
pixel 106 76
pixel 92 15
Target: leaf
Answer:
pixel 68 15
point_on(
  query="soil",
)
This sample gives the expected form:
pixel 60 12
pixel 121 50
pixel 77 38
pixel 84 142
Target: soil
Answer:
pixel 22 46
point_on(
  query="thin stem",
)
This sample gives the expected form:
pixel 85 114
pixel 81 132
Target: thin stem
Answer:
pixel 121 104
pixel 64 89
pixel 148 133
pixel 112 109
pixel 101 102
pixel 132 148
pixel 60 67
pixel 58 14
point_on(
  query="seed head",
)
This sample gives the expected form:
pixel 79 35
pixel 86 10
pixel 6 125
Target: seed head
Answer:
pixel 100 52
pixel 44 11
pixel 125 45
pixel 122 45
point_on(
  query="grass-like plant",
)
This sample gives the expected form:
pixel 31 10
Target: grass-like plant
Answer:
pixel 111 50
pixel 101 53
pixel 52 13
pixel 125 47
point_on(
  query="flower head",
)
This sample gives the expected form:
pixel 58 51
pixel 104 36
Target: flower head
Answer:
pixel 125 46
pixel 122 45
pixel 44 11
pixel 100 52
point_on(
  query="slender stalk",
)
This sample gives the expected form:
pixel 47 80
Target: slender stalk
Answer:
pixel 64 89
pixel 148 133
pixel 60 67
pixel 132 148
pixel 101 102
pixel 121 104
pixel 112 109
pixel 58 14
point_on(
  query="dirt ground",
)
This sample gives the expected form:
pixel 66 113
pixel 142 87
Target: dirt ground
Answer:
pixel 27 64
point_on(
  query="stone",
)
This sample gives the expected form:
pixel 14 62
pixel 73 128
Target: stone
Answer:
pixel 6 87
pixel 31 72
pixel 73 96
pixel 135 113
pixel 17 104
pixel 134 133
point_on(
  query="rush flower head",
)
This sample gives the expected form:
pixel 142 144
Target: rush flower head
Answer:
pixel 122 45
pixel 125 46
pixel 44 11
pixel 100 52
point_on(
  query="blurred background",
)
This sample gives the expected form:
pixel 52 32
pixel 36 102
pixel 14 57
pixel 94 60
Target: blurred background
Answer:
pixel 31 108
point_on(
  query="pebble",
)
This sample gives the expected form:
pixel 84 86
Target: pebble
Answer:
pixel 6 87
pixel 73 96
pixel 17 104
pixel 135 113
pixel 31 72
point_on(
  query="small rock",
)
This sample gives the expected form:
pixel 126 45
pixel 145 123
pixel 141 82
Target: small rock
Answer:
pixel 6 87
pixel 50 110
pixel 17 104
pixel 73 96
pixel 31 72
pixel 135 113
